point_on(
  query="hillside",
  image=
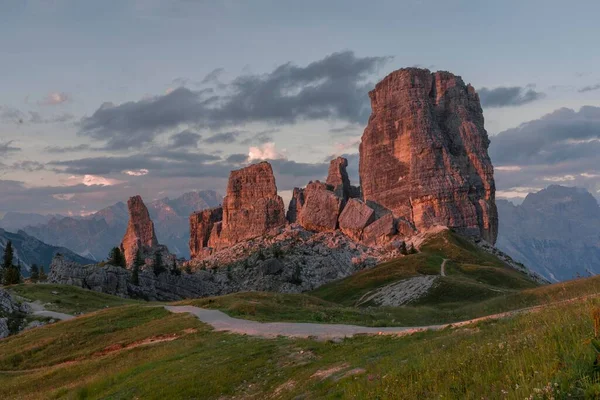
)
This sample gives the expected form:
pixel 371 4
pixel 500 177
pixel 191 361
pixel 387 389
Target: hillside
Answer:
pixel 147 352
pixel 410 290
pixel 555 232
pixel 29 251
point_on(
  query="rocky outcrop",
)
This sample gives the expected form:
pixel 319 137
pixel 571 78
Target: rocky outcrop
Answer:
pixel 380 232
pixel 140 234
pixel 424 154
pixel 355 217
pixel 201 226
pixel 296 204
pixel 291 261
pixel 321 208
pixel 337 177
pixel 251 207
pixel 12 314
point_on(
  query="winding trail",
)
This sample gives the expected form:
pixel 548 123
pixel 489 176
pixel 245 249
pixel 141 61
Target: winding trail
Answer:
pixel 222 322
pixel 39 309
pixel 443 267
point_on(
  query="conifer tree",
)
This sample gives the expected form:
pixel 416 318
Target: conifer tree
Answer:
pixel 157 265
pixel 138 262
pixel 174 270
pixel 43 275
pixel 116 257
pixel 7 260
pixel 34 273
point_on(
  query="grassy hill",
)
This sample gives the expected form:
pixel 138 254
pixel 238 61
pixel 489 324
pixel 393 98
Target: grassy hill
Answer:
pixel 475 284
pixel 67 299
pixel 139 351
pixel 123 349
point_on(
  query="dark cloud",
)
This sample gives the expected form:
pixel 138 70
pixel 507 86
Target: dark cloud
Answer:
pixel 237 158
pixel 561 147
pixel 334 88
pixel 508 96
pixel 7 147
pixel 29 166
pixel 261 137
pixel 590 88
pixel 225 137
pixel 137 123
pixel 158 162
pixel 185 139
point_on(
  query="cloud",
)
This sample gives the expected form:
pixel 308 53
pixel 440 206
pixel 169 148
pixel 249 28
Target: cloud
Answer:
pixel 261 137
pixel 91 180
pixel 29 166
pixel 349 128
pixel 15 116
pixel 55 98
pixel 508 96
pixel 137 172
pixel 589 88
pixel 7 147
pixel 212 76
pixel 237 158
pixel 560 147
pixel 265 152
pixel 333 88
pixel 185 139
pixel 67 149
pixel 225 137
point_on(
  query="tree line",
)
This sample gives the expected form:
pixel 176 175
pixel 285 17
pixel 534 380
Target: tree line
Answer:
pixel 10 273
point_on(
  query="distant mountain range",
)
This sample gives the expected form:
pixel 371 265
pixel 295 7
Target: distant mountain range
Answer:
pixel 29 250
pixel 555 232
pixel 93 236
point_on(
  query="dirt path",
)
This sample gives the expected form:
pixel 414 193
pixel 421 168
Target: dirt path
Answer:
pixel 443 267
pixel 39 309
pixel 223 322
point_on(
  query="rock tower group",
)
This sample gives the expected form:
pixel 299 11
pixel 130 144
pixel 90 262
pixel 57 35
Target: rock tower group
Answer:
pixel 423 162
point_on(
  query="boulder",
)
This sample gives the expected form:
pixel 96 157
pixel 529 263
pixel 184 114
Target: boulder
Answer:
pixel 355 217
pixel 424 153
pixel 380 232
pixel 321 208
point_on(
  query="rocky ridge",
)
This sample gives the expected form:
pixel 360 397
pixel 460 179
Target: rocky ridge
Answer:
pixel 293 260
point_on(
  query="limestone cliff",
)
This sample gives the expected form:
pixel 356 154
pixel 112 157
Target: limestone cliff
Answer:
pixel 140 233
pixel 424 154
pixel 251 207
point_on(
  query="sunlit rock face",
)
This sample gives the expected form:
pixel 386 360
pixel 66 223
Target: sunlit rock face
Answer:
pixel 424 153
pixel 140 233
pixel 251 207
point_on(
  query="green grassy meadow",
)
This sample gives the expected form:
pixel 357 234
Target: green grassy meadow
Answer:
pixel 69 299
pixel 126 349
pixel 137 351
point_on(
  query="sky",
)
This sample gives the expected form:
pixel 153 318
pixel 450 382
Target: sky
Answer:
pixel 102 100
